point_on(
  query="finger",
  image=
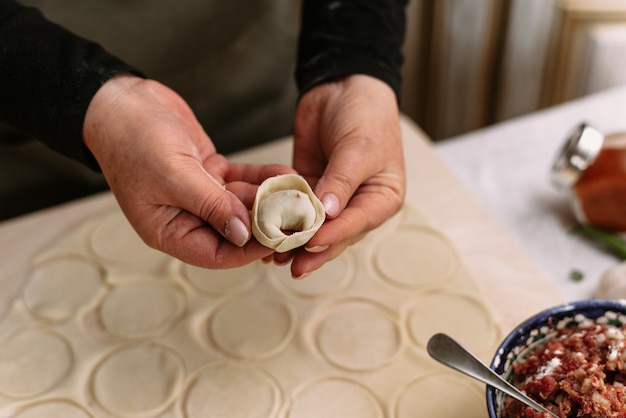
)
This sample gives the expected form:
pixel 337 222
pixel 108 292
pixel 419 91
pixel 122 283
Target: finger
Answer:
pixel 243 179
pixel 203 196
pixel 254 173
pixel 245 192
pixel 304 263
pixel 366 211
pixel 344 173
pixel 281 259
pixel 192 241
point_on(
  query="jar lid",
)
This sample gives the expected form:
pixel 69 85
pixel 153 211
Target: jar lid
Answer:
pixel 579 151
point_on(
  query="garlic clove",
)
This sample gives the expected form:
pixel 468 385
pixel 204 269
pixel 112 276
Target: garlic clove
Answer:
pixel 612 283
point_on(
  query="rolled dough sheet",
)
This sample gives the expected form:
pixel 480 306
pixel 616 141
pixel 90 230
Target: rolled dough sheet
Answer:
pixel 105 327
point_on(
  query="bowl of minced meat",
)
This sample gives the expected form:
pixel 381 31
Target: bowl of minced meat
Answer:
pixel 570 358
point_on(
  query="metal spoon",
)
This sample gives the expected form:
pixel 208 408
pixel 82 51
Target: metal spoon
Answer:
pixel 447 351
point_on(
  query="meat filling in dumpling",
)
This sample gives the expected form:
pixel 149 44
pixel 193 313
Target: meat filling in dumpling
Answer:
pixel 299 216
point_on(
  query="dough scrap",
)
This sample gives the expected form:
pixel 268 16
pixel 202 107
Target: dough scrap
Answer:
pixel 286 213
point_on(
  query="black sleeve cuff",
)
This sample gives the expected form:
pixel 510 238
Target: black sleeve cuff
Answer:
pixel 48 77
pixel 339 38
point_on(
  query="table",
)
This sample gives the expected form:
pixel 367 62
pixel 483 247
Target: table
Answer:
pixel 512 284
pixel 506 166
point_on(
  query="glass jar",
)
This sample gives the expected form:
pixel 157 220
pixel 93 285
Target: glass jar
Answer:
pixel 593 167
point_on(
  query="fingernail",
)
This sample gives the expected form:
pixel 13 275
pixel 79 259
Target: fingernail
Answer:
pixel 316 249
pixel 302 276
pixel 236 231
pixel 331 204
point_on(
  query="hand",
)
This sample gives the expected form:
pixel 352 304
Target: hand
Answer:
pixel 348 145
pixel 179 194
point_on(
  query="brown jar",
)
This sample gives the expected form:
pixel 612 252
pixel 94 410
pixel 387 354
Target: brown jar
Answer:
pixel 593 167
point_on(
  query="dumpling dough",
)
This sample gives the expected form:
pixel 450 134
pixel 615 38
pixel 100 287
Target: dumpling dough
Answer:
pixel 286 213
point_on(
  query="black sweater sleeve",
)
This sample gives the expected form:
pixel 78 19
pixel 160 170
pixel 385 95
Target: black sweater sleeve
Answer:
pixel 342 37
pixel 48 76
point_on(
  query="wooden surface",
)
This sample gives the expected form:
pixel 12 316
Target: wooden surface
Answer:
pixel 512 285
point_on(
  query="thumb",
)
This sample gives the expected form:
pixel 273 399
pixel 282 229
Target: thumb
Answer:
pixel 211 202
pixel 340 180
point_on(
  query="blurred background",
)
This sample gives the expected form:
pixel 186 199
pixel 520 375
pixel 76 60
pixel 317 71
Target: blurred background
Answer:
pixel 472 63
pixel 468 64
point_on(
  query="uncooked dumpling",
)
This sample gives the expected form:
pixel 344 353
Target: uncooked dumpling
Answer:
pixel 286 213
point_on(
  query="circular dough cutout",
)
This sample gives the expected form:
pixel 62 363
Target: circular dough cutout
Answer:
pixel 332 277
pixel 217 282
pixel 114 240
pixel 230 390
pixel 463 317
pixel 33 361
pixel 51 409
pixel 358 335
pixel 442 396
pixel 139 378
pixel 141 309
pixel 432 257
pixel 58 287
pixel 335 397
pixel 251 326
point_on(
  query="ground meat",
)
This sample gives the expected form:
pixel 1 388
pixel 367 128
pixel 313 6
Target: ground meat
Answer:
pixel 579 373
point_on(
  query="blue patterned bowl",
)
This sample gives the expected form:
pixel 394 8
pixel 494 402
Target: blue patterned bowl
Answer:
pixel 541 327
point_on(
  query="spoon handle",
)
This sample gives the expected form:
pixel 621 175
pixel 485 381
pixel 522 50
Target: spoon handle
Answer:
pixel 447 351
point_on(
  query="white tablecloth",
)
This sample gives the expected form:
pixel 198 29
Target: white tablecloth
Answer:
pixel 507 167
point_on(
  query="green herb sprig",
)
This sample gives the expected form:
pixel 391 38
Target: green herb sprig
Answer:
pixel 613 242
